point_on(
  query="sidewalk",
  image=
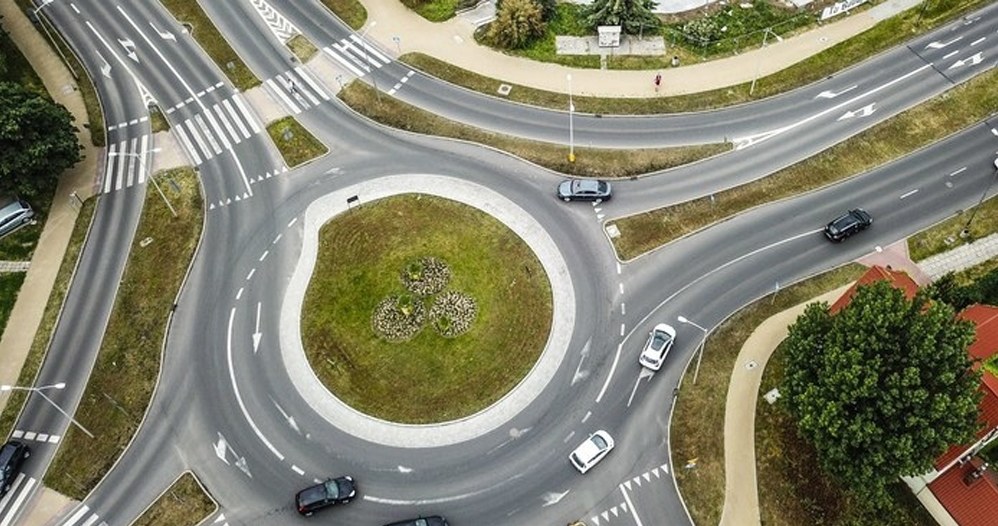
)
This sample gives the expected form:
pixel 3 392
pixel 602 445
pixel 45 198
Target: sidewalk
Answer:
pixel 741 494
pixel 34 294
pixel 453 41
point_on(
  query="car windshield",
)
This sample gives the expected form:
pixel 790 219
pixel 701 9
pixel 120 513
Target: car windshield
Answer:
pixel 659 340
pixel 600 443
pixel 332 489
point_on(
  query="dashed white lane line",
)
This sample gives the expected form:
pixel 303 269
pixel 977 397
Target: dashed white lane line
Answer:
pixel 250 275
pixel 909 193
pixel 297 470
pixel 264 256
pixel 958 172
pixel 623 310
pixel 621 288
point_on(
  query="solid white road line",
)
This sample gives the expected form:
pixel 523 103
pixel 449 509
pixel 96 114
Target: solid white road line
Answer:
pixel 239 397
pixel 634 512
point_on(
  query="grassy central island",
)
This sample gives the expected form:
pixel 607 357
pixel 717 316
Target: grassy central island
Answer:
pixel 423 310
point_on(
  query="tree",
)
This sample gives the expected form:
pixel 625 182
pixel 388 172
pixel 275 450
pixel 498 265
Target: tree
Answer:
pixel 37 141
pixel 634 16
pixel 883 387
pixel 549 8
pixel 517 23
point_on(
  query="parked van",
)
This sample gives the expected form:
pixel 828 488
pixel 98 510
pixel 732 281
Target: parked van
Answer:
pixel 14 213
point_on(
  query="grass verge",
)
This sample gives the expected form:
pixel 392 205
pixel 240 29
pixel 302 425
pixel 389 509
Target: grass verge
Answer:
pixel 428 378
pixel 157 122
pixel 212 42
pixel 295 143
pixel 946 235
pixel 302 47
pixel 881 37
pixel 10 285
pixel 698 422
pixel 351 12
pixel 434 10
pixel 40 343
pixel 793 490
pixel 591 162
pixel 122 381
pixel 898 136
pixel 184 504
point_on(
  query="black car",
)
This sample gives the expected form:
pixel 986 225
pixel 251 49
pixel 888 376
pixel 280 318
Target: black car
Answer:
pixel 11 458
pixel 848 224
pixel 435 520
pixel 333 491
pixel 584 190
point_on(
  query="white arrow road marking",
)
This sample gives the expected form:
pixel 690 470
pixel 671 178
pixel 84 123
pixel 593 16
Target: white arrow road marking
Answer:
pixel 865 111
pixel 551 498
pixel 290 419
pixel 165 35
pixel 403 469
pixel 241 464
pixel 972 60
pixel 221 447
pixel 759 137
pixel 579 373
pixel 939 45
pixel 832 94
pixel 129 48
pixel 105 68
pixel 645 373
pixel 257 335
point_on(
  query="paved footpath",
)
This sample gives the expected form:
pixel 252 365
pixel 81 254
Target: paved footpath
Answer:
pixel 453 41
pixel 741 493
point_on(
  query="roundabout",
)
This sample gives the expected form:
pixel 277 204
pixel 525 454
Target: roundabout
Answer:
pixel 504 405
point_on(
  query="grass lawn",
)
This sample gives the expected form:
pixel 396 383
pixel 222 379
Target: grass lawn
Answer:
pixel 208 37
pixel 184 504
pixel 302 47
pixel 121 384
pixel 295 143
pixel 946 235
pixel 351 12
pixel 40 344
pixel 157 122
pixel 592 162
pixel 428 378
pixel 900 135
pixel 698 422
pixel 434 10
pixel 884 35
pixel 793 490
pixel 10 285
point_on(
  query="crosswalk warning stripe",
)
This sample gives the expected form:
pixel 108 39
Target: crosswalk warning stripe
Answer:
pixel 235 118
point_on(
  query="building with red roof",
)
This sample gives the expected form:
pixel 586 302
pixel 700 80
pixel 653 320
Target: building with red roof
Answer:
pixel 899 279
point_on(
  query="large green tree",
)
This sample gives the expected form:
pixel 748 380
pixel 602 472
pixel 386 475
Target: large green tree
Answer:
pixel 881 388
pixel 634 16
pixel 37 141
pixel 517 23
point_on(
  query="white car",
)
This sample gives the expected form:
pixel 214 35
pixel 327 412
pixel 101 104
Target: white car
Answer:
pixel 659 342
pixel 590 452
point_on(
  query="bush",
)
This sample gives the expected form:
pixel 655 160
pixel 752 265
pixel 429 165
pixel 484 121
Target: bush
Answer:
pixel 517 23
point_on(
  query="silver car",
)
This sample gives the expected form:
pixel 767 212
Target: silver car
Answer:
pixel 13 215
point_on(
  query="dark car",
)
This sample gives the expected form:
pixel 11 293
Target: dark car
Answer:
pixel 333 491
pixel 435 520
pixel 584 190
pixel 847 224
pixel 11 458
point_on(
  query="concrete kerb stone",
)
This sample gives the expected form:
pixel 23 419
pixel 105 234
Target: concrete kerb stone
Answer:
pixel 448 433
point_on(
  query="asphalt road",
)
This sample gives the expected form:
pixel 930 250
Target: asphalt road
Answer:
pixel 226 408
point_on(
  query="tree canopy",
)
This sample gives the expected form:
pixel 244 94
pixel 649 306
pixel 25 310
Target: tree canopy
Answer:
pixel 517 23
pixel 37 141
pixel 883 387
pixel 634 16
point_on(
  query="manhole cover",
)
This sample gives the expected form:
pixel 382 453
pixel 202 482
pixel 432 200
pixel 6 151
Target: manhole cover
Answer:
pixel 504 89
pixel 751 365
pixel 772 396
pixel 612 231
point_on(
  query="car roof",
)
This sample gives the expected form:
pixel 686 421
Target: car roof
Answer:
pixel 589 185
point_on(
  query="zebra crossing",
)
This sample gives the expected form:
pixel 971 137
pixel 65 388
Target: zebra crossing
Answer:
pixel 83 517
pixel 296 90
pixel 15 499
pixel 20 434
pixel 126 164
pixel 213 131
pixel 357 55
pixel 281 27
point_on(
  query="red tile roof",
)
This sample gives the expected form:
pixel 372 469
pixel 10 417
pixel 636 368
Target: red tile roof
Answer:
pixel 972 505
pixel 898 278
pixel 985 346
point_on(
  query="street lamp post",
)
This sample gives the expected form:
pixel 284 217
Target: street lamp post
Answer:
pixel 966 228
pixel 700 347
pixel 571 124
pixel 142 166
pixel 768 31
pixel 41 393
pixel 367 59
